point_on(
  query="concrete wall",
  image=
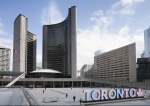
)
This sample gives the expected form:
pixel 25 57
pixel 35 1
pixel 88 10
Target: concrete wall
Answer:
pixel 132 62
pixel 20 33
pixel 73 43
pixel 21 40
pixel 44 54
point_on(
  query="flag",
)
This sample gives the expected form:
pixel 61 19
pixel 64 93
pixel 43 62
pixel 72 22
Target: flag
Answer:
pixel 15 51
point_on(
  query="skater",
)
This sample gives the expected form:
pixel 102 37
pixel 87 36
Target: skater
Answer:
pixel 43 91
pixel 74 98
pixel 66 95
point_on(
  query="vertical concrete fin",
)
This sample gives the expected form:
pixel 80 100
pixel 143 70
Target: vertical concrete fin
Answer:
pixel 12 82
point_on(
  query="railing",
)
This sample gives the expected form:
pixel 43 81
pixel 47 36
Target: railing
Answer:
pixel 12 82
pixel 30 98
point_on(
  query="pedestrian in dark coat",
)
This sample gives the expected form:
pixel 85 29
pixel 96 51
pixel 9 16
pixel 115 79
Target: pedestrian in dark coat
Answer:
pixel 74 98
pixel 80 101
pixel 66 95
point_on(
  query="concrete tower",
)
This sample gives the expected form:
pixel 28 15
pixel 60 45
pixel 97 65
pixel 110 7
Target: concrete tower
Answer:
pixel 24 57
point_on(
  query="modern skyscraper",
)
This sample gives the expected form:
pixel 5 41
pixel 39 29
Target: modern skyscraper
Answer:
pixel 24 57
pixel 4 58
pixel 31 52
pixel 59 45
pixel 143 69
pixel 147 42
pixel 118 64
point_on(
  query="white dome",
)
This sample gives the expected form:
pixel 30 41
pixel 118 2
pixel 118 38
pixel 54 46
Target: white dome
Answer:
pixel 45 71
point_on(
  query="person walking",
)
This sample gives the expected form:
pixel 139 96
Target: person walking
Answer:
pixel 66 95
pixel 43 91
pixel 80 101
pixel 74 98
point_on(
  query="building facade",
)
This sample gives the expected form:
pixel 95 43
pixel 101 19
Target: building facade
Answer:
pixel 143 69
pixel 59 45
pixel 5 58
pixel 31 52
pixel 24 45
pixel 118 64
pixel 98 52
pixel 86 71
pixel 147 42
pixel 78 74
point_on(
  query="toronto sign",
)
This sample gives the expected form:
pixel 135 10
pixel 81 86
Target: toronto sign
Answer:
pixel 112 93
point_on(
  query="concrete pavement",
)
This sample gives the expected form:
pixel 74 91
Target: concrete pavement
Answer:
pixel 59 94
pixel 12 96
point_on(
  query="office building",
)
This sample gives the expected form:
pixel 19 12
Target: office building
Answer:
pixel 31 52
pixel 118 64
pixel 98 52
pixel 24 56
pixel 89 73
pixel 86 71
pixel 142 55
pixel 147 43
pixel 143 69
pixel 59 45
pixel 5 58
pixel 78 74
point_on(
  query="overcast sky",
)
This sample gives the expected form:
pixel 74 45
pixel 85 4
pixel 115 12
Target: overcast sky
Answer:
pixel 101 24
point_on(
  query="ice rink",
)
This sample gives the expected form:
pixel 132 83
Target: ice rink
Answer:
pixel 59 95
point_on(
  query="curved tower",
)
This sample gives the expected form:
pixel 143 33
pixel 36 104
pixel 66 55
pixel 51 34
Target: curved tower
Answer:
pixel 59 45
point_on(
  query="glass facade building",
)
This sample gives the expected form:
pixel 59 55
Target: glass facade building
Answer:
pixel 31 52
pixel 147 42
pixel 59 45
pixel 143 70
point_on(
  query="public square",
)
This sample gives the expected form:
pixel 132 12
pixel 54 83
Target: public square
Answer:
pixel 57 96
pixel 60 95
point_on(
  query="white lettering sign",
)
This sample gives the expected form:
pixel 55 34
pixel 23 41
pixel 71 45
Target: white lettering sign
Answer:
pixel 118 93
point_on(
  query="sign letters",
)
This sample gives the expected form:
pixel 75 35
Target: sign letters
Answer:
pixel 113 93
